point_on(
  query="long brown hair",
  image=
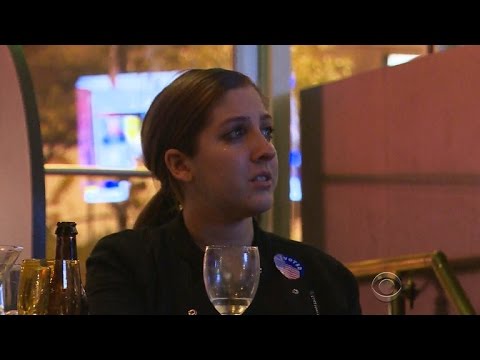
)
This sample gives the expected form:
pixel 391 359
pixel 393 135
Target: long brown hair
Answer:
pixel 174 120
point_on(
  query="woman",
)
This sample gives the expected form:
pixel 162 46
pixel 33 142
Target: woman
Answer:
pixel 208 138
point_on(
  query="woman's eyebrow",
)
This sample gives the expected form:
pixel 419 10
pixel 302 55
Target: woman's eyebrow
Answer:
pixel 266 116
pixel 244 118
pixel 234 119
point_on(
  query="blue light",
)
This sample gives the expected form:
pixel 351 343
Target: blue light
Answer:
pixel 109 191
pixel 295 158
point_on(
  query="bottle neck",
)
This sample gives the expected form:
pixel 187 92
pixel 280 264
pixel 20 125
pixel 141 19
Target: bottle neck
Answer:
pixel 66 248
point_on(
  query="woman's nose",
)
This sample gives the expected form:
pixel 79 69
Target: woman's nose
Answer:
pixel 263 149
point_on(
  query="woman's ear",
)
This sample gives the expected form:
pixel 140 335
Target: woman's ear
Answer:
pixel 178 165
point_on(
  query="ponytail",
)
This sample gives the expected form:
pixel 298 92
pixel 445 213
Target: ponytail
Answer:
pixel 161 209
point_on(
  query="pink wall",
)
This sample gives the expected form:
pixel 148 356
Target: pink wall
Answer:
pixel 16 227
pixel 391 166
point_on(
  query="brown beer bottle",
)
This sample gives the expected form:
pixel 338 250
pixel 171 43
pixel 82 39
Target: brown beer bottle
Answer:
pixel 67 294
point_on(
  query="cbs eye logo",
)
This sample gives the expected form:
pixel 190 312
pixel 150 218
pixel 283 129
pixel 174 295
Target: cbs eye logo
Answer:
pixel 386 286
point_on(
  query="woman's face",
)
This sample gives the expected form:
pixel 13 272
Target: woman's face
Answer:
pixel 235 168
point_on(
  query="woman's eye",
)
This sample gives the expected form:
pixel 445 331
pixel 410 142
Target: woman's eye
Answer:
pixel 235 134
pixel 268 133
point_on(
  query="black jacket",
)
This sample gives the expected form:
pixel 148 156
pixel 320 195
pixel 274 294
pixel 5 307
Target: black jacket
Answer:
pixel 159 271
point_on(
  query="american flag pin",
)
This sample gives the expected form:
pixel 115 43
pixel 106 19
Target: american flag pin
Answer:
pixel 288 266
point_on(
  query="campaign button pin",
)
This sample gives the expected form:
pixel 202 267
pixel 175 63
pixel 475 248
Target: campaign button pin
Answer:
pixel 288 266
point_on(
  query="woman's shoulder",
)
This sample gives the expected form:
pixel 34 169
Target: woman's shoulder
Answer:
pixel 129 242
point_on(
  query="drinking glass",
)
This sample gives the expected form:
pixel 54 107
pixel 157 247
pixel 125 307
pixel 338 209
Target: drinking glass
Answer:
pixel 231 275
pixel 34 287
pixel 8 255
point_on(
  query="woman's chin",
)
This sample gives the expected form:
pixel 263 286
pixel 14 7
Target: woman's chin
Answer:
pixel 262 205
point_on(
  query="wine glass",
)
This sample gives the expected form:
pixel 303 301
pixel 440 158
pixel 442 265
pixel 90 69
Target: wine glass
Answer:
pixel 8 255
pixel 231 275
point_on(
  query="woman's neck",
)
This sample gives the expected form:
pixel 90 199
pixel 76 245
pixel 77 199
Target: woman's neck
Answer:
pixel 206 230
